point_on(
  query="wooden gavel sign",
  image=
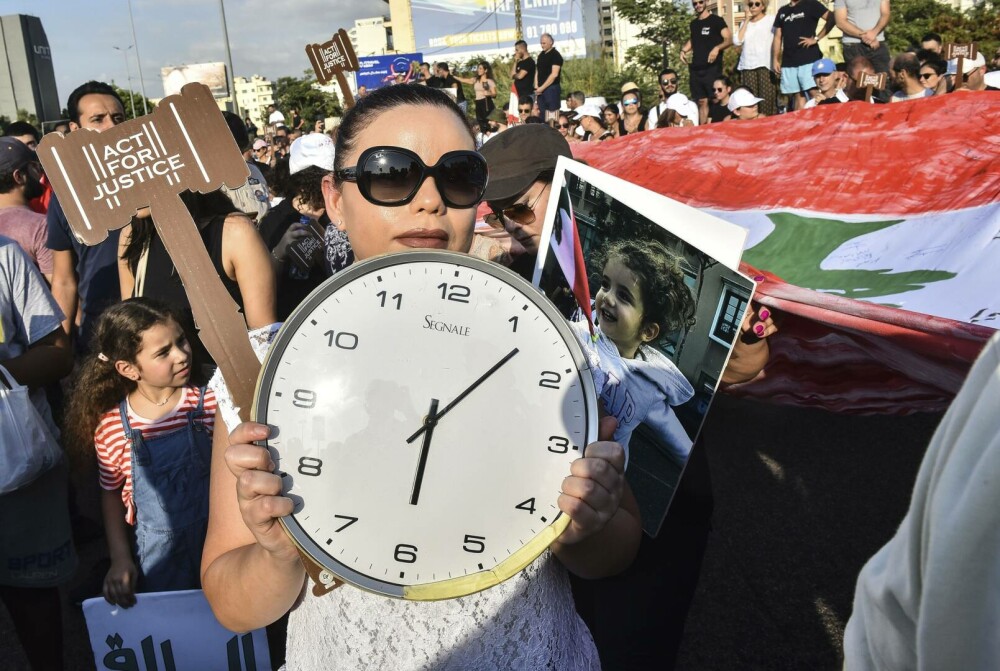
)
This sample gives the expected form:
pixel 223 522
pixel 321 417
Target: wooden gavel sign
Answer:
pixel 871 81
pixel 954 50
pixel 331 59
pixel 103 178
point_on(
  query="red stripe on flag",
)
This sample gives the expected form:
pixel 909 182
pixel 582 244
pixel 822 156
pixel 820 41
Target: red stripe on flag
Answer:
pixel 581 285
pixel 929 155
pixel 850 356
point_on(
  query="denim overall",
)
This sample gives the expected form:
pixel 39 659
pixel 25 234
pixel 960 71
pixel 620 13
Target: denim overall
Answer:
pixel 170 476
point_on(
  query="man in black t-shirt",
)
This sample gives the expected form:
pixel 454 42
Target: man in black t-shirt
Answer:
pixel 548 94
pixel 796 46
pixel 443 73
pixel 710 35
pixel 523 72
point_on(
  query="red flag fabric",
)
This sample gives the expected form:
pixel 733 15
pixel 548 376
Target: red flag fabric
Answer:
pixel 512 116
pixel 865 210
pixel 569 254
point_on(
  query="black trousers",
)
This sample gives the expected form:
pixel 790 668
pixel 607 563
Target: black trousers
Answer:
pixel 637 617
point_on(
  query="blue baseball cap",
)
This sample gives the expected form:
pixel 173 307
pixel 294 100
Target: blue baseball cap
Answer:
pixel 824 66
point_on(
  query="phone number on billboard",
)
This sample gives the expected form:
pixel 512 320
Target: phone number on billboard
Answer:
pixel 554 29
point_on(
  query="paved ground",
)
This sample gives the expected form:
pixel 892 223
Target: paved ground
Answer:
pixel 803 498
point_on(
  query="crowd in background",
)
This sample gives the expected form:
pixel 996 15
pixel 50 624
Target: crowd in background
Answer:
pixel 272 242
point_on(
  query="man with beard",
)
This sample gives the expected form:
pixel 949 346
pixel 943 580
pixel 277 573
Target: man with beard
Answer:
pixel 668 87
pixel 20 173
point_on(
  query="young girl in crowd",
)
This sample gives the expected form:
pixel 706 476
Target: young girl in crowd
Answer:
pixel 642 296
pixel 152 432
pixel 252 572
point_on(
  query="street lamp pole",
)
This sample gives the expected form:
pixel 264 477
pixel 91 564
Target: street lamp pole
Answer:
pixel 128 76
pixel 138 62
pixel 229 59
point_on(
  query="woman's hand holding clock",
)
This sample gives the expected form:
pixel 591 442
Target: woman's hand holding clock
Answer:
pixel 258 490
pixel 592 493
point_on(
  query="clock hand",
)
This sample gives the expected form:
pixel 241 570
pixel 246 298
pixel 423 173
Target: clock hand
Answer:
pixel 482 378
pixel 429 423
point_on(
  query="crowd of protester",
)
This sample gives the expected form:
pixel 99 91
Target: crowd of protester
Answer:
pixel 117 316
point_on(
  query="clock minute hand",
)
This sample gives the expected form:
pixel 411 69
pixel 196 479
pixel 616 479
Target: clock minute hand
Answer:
pixel 468 390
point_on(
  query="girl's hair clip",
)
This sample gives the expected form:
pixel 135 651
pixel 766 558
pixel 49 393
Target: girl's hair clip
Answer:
pixel 102 356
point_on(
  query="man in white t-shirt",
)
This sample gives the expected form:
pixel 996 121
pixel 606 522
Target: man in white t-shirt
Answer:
pixel 274 117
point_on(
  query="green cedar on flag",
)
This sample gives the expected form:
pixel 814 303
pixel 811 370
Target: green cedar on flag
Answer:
pixel 874 231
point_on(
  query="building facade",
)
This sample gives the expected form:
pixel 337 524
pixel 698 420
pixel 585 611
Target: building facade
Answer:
pixel 27 78
pixel 372 37
pixel 253 95
pixel 457 31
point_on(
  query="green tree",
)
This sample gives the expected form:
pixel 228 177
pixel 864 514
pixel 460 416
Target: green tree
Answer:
pixel 301 93
pixel 665 23
pixel 24 115
pixel 912 19
pixel 128 98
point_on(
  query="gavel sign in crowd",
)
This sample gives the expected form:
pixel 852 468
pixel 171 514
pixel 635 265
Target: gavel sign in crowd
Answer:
pixel 104 179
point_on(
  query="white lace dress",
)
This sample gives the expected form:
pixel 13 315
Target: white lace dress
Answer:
pixel 527 622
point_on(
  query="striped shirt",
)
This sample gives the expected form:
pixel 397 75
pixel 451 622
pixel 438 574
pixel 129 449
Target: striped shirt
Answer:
pixel 114 452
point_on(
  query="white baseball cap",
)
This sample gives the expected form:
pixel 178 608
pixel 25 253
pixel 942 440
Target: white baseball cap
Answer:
pixel 588 109
pixel 968 64
pixel 684 106
pixel 742 98
pixel 315 149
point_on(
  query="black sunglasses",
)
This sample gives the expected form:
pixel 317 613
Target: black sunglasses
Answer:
pixel 667 82
pixel 393 175
pixel 755 4
pixel 564 125
pixel 928 75
pixel 524 111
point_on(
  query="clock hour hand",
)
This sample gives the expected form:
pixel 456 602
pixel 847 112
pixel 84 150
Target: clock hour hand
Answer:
pixel 429 423
pixel 468 390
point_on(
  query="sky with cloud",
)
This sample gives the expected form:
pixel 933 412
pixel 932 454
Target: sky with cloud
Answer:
pixel 267 37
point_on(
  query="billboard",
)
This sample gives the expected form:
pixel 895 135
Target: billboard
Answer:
pixel 212 75
pixel 465 28
pixel 378 71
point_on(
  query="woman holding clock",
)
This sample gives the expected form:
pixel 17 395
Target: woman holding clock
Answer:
pixel 251 571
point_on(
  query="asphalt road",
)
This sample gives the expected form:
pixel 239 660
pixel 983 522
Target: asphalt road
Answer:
pixel 802 499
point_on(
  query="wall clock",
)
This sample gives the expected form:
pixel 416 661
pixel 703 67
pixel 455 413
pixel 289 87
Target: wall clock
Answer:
pixel 426 407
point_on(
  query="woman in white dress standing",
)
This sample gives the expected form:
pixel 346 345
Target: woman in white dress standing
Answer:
pixel 251 571
pixel 755 37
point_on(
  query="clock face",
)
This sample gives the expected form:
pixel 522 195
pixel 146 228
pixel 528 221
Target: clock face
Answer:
pixel 427 407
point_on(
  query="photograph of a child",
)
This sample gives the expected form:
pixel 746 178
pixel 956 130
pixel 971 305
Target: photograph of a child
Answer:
pixel 656 318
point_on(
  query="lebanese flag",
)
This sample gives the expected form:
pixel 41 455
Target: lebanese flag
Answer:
pixel 512 116
pixel 566 248
pixel 874 235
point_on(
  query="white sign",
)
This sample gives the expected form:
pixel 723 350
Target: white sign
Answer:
pixel 170 631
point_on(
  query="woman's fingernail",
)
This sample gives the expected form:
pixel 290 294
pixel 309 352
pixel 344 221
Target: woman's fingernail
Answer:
pixel 759 329
pixel 764 314
pixel 758 278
